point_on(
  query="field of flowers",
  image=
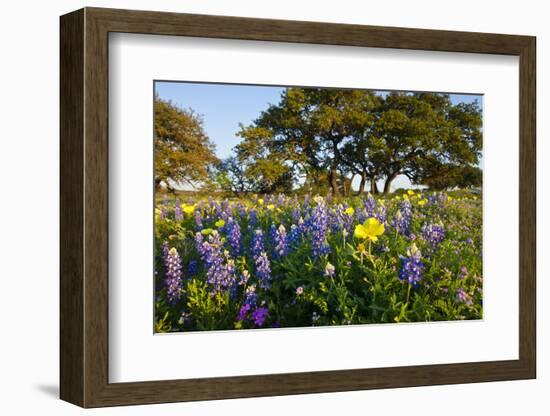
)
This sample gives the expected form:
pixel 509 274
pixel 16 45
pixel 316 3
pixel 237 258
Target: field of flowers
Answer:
pixel 281 261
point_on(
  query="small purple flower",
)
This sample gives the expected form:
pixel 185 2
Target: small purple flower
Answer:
pixel 263 270
pixel 253 218
pixel 294 237
pixel 258 244
pixel 433 234
pixel 172 281
pixel 233 231
pixel 198 219
pixel 463 297
pixel 281 244
pixel 243 312
pixel 463 272
pixel 192 268
pixel 299 290
pixel 318 224
pixel 411 266
pixel 259 316
pixel 178 213
pixel 403 218
pixel 220 267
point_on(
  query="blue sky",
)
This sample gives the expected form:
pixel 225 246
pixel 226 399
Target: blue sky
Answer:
pixel 224 106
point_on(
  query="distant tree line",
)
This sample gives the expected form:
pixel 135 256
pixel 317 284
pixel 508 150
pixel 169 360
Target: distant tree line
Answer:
pixel 322 139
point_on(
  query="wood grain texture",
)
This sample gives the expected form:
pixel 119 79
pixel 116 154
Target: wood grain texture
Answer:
pixel 71 218
pixel 84 207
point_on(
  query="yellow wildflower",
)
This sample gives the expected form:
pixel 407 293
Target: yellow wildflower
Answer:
pixel 422 202
pixel 260 201
pixel 207 231
pixel 350 211
pixel 188 208
pixel 411 192
pixel 271 207
pixel 370 229
pixel 220 223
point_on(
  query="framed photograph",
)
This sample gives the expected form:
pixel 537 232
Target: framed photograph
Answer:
pixel 255 207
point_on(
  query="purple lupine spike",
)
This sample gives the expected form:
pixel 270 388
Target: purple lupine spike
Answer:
pixel 281 243
pixel 221 270
pixel 412 267
pixel 178 213
pixel 173 275
pixel 258 244
pixel 319 228
pixel 433 234
pixel 403 218
pixel 263 270
pixel 233 231
pixel 198 219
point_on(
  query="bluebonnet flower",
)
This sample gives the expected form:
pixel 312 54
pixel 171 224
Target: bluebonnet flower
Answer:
pixel 381 213
pixel 412 267
pixel 192 268
pixel 178 214
pixel 250 295
pixel 253 218
pixel 198 219
pixel 258 244
pixel 433 234
pixel 403 218
pixel 263 270
pixel 281 244
pixel 259 316
pixel 294 237
pixel 463 297
pixel 370 206
pixel 319 223
pixel 296 214
pixel 463 272
pixel 233 231
pixel 173 275
pixel 221 268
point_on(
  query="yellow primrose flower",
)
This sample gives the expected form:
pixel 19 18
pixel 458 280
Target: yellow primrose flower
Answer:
pixel 271 207
pixel 411 192
pixel 350 211
pixel 370 229
pixel 449 198
pixel 260 201
pixel 188 209
pixel 422 202
pixel 207 231
pixel 220 223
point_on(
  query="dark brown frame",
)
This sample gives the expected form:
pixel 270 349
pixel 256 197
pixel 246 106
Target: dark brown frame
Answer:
pixel 84 208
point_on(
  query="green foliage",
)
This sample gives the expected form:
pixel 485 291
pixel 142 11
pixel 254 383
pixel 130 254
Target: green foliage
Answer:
pixel 183 151
pixel 365 287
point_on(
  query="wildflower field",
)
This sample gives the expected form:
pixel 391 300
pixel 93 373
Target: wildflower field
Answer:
pixel 268 261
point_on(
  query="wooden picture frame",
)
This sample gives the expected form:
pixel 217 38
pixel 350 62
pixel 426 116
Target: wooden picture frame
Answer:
pixel 84 207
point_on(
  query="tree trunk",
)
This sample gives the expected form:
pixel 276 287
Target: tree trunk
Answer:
pixel 373 187
pixel 333 180
pixel 363 183
pixel 157 184
pixel 387 184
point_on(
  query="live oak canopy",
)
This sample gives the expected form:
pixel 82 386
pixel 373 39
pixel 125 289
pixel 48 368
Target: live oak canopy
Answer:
pixel 183 151
pixel 331 135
